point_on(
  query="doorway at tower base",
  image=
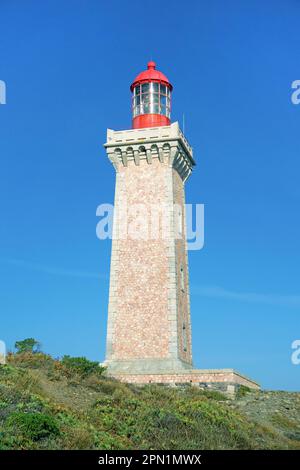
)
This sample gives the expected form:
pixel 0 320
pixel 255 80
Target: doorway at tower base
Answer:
pixel 227 381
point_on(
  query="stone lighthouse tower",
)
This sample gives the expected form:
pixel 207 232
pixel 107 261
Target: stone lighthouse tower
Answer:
pixel 149 327
pixel 149 324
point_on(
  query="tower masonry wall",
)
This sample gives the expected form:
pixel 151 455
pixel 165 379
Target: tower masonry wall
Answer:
pixel 142 329
pixel 149 317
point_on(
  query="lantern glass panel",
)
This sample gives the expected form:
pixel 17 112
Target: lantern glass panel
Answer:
pixel 146 108
pixel 163 100
pixel 145 98
pixel 154 87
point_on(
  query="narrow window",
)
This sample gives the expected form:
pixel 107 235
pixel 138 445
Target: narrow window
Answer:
pixel 182 278
pixel 184 337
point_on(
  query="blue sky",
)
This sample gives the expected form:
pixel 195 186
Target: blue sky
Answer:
pixel 68 66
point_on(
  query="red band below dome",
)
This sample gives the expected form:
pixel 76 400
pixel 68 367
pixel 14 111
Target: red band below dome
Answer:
pixel 150 120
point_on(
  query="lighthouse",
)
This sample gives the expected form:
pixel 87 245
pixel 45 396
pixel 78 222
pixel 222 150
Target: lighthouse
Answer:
pixel 149 322
pixel 149 327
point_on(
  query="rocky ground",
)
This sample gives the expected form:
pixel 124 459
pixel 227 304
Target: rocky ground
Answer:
pixel 276 409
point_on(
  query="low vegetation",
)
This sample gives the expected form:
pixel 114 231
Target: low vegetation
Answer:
pixel 70 404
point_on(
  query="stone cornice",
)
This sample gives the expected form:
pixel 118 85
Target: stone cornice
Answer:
pixel 166 143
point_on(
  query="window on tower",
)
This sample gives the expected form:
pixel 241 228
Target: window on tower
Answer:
pixel 182 278
pixel 184 337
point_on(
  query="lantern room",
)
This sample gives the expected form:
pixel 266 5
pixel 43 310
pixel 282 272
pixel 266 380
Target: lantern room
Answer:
pixel 151 99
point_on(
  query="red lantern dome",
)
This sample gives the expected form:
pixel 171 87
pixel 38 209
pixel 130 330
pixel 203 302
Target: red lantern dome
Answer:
pixel 151 100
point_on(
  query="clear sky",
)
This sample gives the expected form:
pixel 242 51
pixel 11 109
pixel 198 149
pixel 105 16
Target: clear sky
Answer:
pixel 67 67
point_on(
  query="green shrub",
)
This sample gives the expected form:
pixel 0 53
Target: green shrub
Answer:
pixel 10 394
pixel 32 360
pixel 79 438
pixel 242 391
pixel 27 345
pixel 6 371
pixel 82 366
pixel 34 426
pixel 283 422
pixel 195 392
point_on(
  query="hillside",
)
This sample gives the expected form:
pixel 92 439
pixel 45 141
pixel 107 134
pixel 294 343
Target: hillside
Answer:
pixel 51 404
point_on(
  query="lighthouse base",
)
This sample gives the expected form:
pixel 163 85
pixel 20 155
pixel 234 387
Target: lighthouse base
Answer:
pixel 147 367
pixel 227 381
